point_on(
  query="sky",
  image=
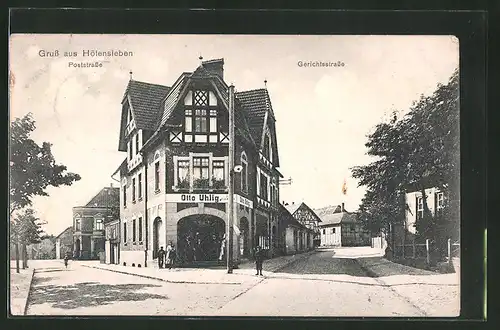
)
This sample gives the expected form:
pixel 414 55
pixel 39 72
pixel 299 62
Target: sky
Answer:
pixel 324 114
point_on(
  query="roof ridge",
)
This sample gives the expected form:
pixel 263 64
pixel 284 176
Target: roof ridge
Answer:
pixel 148 83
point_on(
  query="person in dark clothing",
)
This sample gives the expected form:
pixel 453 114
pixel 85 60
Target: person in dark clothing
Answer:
pixel 259 258
pixel 161 257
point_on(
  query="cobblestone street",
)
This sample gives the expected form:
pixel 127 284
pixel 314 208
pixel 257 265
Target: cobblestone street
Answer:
pixel 317 284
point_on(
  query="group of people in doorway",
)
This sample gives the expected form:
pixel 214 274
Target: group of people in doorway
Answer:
pixel 167 257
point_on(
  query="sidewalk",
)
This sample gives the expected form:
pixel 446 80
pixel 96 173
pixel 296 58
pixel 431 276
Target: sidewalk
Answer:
pixel 434 294
pixel 20 285
pixel 244 273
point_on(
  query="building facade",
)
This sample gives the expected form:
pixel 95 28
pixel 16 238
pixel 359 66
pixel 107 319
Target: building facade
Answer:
pixel 112 241
pixel 174 180
pixel 88 223
pixel 297 237
pixel 306 216
pixel 64 243
pixel 341 228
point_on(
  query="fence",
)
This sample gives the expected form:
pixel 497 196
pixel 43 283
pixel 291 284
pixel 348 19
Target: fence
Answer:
pixel 423 250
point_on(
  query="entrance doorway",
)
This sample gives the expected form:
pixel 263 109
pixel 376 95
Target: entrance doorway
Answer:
pixel 199 237
pixel 244 237
pixel 156 236
pixel 77 249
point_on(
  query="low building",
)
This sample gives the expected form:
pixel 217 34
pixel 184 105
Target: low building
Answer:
pixel 341 228
pixel 306 216
pixel 64 243
pixel 88 223
pixel 296 236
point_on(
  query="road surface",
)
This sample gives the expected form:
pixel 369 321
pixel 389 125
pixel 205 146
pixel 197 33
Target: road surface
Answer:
pixel 319 285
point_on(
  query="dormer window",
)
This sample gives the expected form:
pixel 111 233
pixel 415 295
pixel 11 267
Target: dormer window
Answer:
pixel 200 117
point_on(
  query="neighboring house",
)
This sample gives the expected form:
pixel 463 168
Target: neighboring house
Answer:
pixel 112 243
pixel 88 223
pixel 415 205
pixel 297 237
pixel 64 243
pixel 46 249
pixel 341 228
pixel 306 216
pixel 176 172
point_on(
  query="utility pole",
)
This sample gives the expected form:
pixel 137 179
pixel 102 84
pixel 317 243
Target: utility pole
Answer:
pixel 230 211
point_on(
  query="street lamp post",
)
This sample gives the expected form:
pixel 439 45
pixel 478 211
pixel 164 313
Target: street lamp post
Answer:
pixel 230 211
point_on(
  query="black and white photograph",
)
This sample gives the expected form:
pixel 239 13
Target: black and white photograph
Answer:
pixel 234 175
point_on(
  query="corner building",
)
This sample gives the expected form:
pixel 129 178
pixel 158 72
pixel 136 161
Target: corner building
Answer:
pixel 174 180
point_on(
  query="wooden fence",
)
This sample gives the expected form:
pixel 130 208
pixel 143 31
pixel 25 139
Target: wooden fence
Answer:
pixel 422 250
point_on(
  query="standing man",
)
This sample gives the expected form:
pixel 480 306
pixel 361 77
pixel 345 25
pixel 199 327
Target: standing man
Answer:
pixel 161 257
pixel 258 260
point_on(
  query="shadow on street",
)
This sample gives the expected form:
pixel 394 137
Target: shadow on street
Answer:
pixel 88 294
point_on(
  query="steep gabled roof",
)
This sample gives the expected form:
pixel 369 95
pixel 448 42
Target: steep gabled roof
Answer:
pixel 65 231
pixel 146 99
pixel 287 217
pixel 256 104
pixel 332 215
pixel 292 207
pixel 303 206
pixel 107 197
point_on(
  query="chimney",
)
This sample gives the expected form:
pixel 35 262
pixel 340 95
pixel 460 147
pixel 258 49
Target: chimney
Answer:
pixel 342 208
pixel 111 184
pixel 293 203
pixel 215 66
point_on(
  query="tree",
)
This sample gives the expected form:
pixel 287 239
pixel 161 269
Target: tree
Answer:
pixel 422 149
pixel 32 167
pixel 26 229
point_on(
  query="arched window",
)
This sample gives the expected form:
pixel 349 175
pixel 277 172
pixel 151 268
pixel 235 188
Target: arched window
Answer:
pixel 244 172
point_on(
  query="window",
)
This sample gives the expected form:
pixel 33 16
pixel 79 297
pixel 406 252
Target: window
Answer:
pixel 136 138
pixel 183 174
pixel 124 232
pixel 200 172
pixel 200 121
pixel 218 174
pixel 140 185
pixel 439 201
pixel 124 196
pixel 78 225
pixel 333 230
pixel 129 147
pixel 213 121
pixel 140 229
pixel 98 225
pixel 420 207
pixel 188 120
pixel 244 172
pixel 263 186
pixel 265 151
pixel 157 176
pixel 324 231
pixel 133 230
pixel 133 190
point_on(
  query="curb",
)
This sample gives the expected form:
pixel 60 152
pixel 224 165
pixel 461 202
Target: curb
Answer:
pixel 29 292
pixel 159 278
